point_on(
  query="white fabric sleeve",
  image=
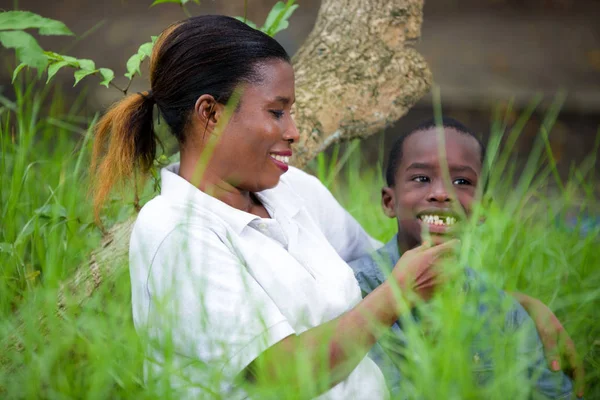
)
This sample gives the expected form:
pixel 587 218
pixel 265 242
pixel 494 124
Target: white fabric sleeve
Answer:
pixel 340 228
pixel 205 306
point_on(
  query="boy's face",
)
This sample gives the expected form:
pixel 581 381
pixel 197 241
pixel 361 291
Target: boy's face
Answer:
pixel 422 199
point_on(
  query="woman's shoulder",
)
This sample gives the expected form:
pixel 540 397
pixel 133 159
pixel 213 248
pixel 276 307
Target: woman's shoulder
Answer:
pixel 160 217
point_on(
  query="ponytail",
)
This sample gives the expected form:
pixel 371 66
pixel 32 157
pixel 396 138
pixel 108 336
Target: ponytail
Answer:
pixel 125 143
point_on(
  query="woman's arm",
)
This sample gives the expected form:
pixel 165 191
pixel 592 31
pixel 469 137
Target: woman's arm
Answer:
pixel 557 342
pixel 331 351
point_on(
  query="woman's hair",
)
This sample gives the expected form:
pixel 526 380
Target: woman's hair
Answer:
pixel 210 54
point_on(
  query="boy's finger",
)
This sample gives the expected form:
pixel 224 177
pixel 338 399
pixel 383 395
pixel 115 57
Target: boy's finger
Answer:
pixel 450 244
pixel 447 247
pixel 426 244
pixel 575 364
pixel 579 377
pixel 551 350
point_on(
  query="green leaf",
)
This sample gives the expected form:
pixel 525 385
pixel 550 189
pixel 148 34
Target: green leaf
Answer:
pixel 86 226
pixel 82 73
pixel 134 62
pixel 274 14
pixel 73 62
pixel 52 211
pixel 27 230
pixel 146 49
pixel 17 70
pixel 6 248
pixel 182 2
pixel 277 20
pixel 21 20
pixel 54 68
pixel 133 66
pixel 108 75
pixel 27 48
pixel 86 64
pixel 247 22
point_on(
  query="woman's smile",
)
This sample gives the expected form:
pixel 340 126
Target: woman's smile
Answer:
pixel 281 159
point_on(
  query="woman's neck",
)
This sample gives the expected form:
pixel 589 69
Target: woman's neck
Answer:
pixel 211 183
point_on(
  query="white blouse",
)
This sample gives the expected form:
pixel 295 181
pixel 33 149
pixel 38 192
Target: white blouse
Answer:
pixel 216 286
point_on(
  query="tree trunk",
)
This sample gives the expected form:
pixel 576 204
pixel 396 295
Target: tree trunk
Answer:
pixel 357 71
pixel 356 74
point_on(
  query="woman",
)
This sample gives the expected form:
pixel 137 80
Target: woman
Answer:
pixel 238 267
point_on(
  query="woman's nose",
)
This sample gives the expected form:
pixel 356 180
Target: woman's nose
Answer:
pixel 291 134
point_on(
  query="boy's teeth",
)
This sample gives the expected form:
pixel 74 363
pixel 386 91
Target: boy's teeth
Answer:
pixel 437 220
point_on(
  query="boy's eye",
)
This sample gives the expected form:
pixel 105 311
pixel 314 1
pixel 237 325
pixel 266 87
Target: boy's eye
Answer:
pixel 277 113
pixel 421 179
pixel 461 181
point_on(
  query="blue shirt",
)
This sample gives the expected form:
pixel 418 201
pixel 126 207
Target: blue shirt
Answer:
pixel 371 271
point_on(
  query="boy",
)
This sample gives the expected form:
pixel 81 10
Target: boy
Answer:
pixel 418 197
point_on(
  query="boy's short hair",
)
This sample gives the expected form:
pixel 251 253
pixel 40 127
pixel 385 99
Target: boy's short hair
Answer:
pixel 395 156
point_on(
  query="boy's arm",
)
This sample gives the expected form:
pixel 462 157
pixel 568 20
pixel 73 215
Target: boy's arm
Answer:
pixel 368 273
pixel 555 339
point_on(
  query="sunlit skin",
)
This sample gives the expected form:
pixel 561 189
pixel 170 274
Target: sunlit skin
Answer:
pixel 242 161
pixel 421 190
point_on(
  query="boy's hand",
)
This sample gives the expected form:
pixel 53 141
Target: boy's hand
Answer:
pixel 557 342
pixel 418 270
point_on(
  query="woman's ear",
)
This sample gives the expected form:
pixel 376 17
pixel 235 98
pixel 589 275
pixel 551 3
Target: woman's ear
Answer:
pixel 207 110
pixel 388 202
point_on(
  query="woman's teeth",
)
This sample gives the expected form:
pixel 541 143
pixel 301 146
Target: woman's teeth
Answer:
pixel 437 220
pixel 283 159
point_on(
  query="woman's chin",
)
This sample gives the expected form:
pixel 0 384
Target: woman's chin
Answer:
pixel 268 183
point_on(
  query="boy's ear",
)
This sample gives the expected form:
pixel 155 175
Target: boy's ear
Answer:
pixel 388 202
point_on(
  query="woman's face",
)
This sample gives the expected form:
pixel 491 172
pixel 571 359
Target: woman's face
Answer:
pixel 255 146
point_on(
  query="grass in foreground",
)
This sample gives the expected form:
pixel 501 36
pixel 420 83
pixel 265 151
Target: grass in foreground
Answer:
pixel 91 350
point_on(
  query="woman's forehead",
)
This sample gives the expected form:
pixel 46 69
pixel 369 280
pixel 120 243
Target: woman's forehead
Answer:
pixel 276 83
pixel 275 73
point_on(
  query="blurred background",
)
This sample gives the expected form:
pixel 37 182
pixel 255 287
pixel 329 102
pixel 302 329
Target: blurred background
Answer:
pixel 483 54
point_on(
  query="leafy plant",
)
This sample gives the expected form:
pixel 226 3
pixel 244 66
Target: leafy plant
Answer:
pixel 83 68
pixel 13 36
pixel 134 62
pixel 30 54
pixel 278 18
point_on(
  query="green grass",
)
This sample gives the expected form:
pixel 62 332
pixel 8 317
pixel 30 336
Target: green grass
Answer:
pixel 91 350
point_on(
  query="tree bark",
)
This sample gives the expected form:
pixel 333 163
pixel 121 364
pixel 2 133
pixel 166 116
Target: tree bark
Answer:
pixel 357 71
pixel 356 74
